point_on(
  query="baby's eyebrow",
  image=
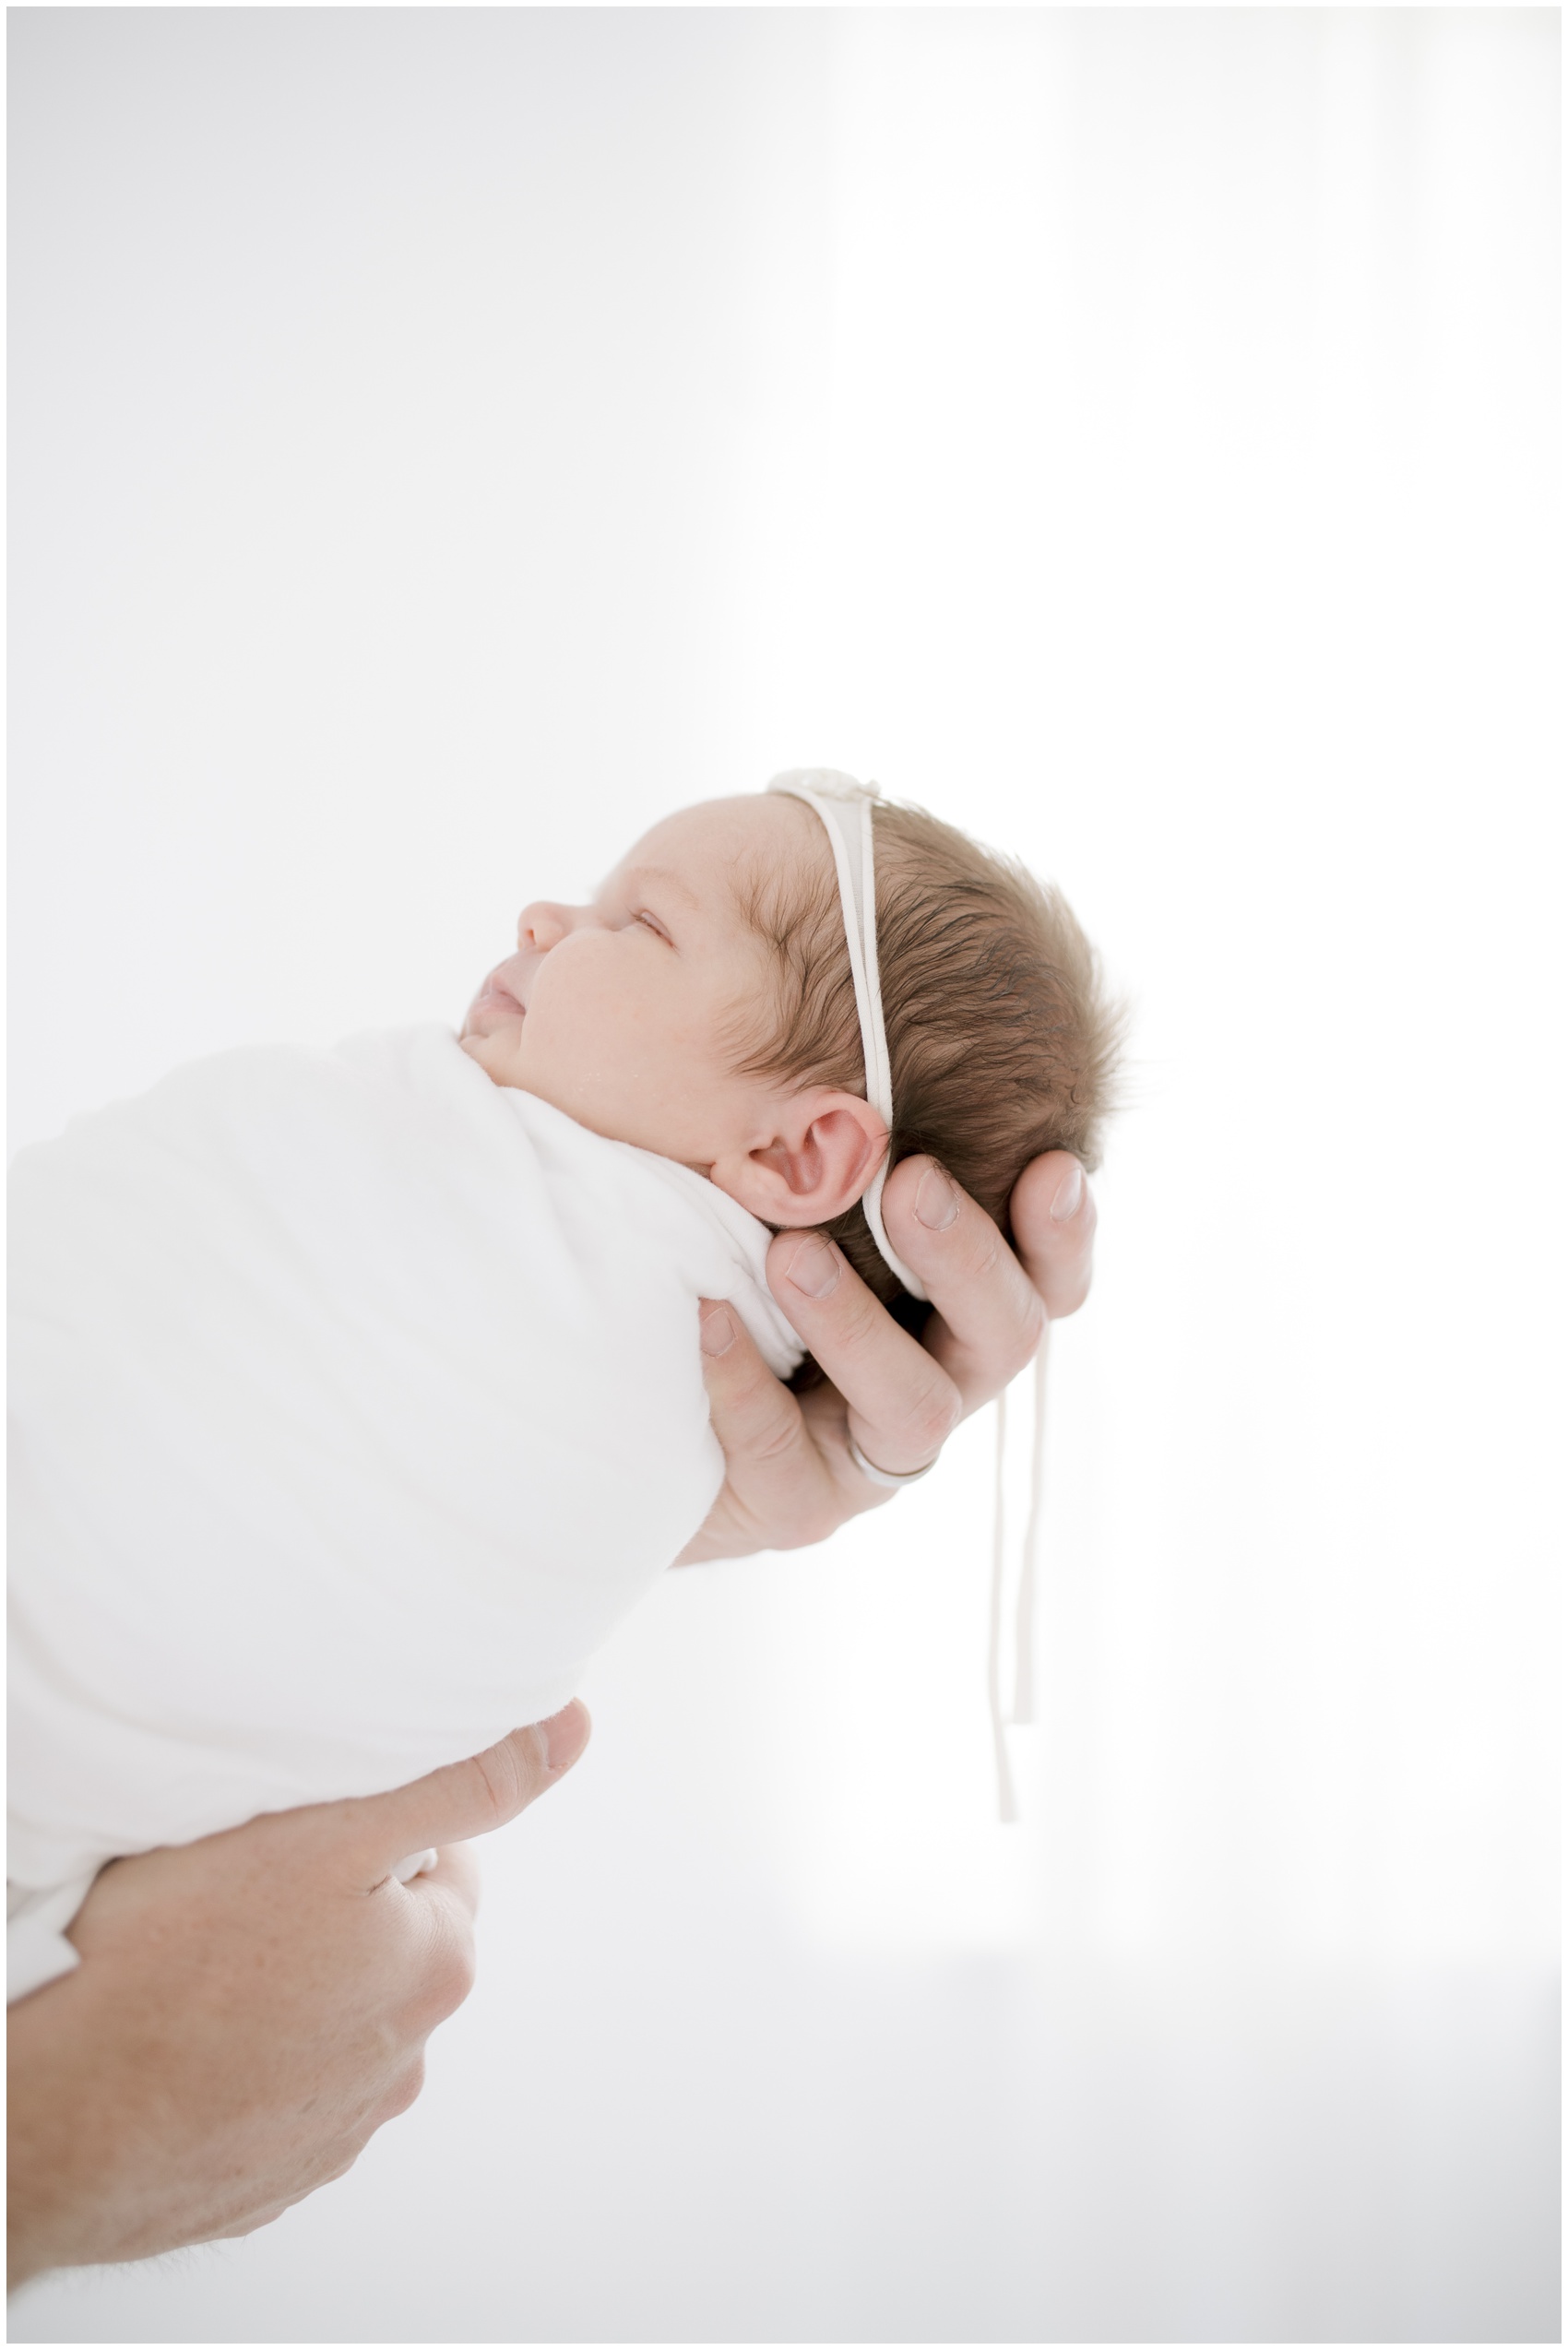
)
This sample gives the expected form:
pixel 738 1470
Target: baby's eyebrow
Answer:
pixel 662 874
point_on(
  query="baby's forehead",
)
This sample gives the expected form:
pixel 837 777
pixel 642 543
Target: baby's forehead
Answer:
pixel 727 846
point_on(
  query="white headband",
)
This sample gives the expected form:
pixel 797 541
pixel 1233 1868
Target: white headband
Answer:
pixel 837 799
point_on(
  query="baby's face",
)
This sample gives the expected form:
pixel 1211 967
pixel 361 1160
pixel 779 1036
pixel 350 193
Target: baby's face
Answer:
pixel 621 1012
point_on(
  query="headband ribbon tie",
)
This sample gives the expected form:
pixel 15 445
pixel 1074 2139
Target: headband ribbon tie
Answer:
pixel 844 808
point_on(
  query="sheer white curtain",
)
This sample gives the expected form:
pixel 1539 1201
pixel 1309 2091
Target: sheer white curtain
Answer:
pixel 443 442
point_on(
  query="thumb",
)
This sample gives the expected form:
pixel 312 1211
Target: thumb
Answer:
pixel 469 1798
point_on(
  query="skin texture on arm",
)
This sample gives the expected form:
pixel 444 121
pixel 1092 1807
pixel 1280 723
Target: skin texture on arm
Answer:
pixel 248 2012
pixel 790 1478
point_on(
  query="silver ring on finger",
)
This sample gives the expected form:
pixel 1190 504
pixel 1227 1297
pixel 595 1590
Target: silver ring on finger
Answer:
pixel 890 1478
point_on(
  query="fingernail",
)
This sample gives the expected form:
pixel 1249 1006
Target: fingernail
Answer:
pixel 1069 1195
pixel 565 1735
pixel 937 1200
pixel 813 1268
pixel 718 1330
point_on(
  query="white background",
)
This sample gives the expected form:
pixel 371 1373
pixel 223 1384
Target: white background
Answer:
pixel 441 444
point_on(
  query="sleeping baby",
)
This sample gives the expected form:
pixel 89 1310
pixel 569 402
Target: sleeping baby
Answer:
pixel 356 1394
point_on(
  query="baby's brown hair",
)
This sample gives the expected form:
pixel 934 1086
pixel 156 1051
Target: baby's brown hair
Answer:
pixel 1002 1040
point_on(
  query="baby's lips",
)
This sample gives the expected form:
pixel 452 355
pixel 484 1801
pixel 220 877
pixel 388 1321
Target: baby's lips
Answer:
pixel 509 980
pixel 496 996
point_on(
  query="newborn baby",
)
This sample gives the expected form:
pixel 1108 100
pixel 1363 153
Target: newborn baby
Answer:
pixel 356 1394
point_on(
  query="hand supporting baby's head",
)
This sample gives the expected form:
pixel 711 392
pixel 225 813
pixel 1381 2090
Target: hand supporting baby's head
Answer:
pixel 704 1007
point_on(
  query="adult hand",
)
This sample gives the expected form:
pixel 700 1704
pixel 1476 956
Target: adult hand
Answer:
pixel 248 2010
pixel 790 1476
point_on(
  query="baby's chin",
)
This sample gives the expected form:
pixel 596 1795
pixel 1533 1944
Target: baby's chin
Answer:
pixel 489 1048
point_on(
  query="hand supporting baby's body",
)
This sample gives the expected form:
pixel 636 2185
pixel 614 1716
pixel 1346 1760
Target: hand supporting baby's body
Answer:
pixel 355 1398
pixel 248 2010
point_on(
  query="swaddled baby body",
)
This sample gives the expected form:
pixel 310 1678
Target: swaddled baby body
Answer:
pixel 356 1394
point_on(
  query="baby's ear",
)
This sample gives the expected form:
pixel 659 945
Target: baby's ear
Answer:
pixel 828 1147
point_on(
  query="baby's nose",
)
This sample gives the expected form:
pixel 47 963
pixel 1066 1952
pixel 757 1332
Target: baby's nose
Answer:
pixel 542 926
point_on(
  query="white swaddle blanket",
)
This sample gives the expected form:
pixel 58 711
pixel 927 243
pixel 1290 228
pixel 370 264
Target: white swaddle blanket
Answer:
pixel 353 1398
